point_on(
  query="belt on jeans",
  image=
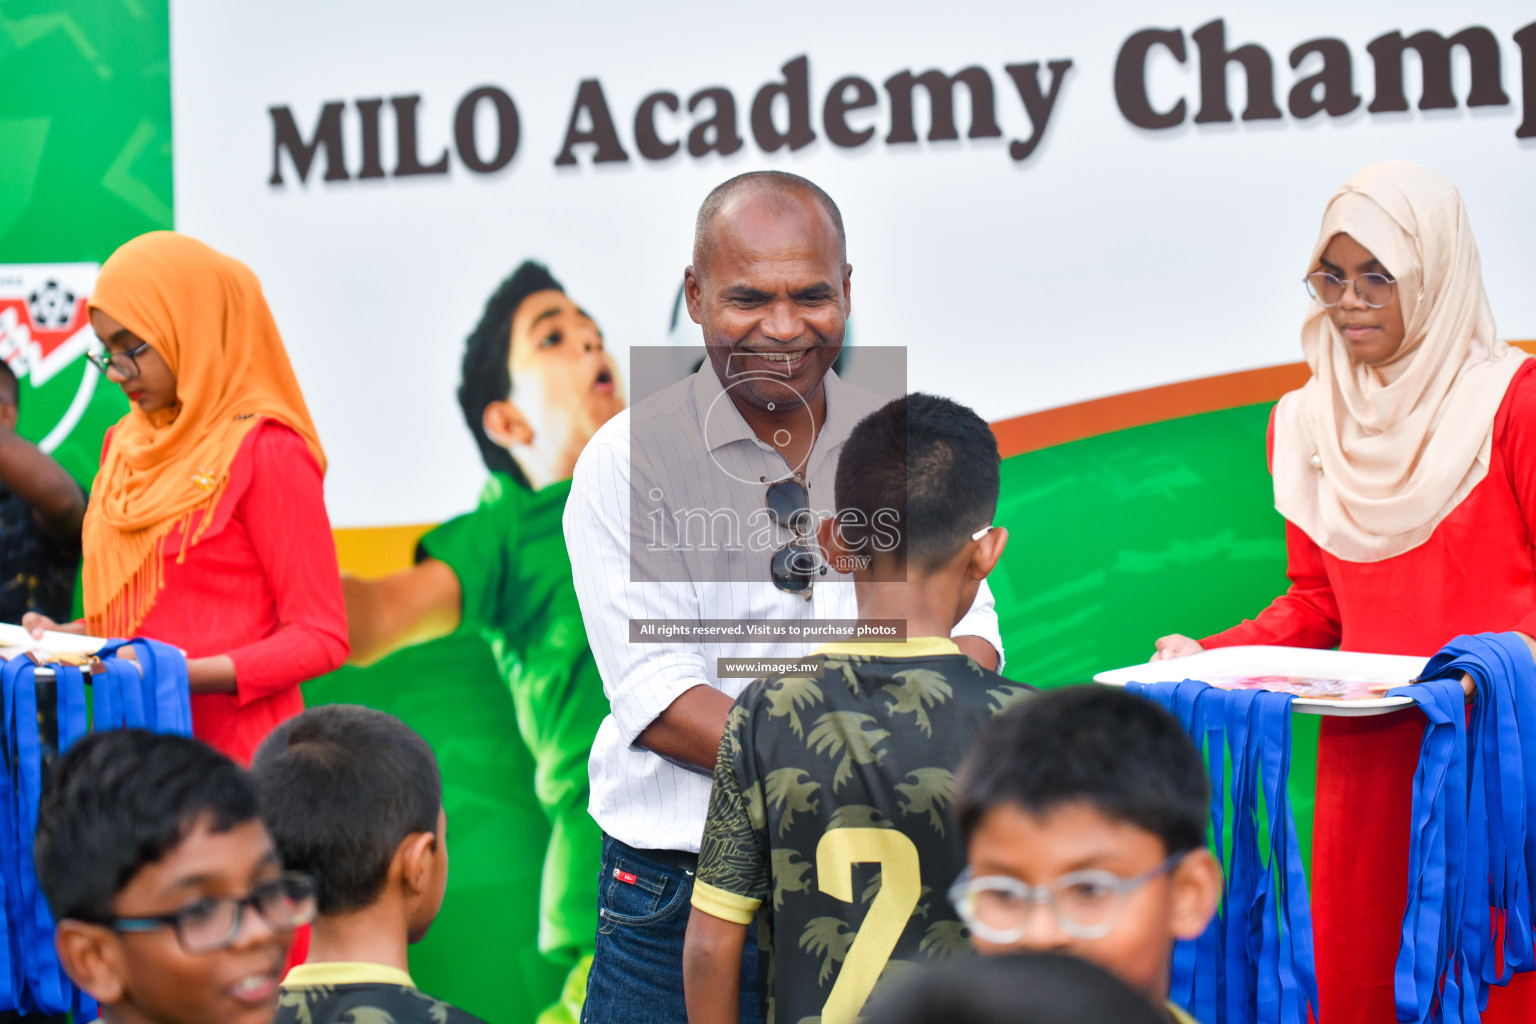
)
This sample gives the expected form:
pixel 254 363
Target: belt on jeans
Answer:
pixel 675 859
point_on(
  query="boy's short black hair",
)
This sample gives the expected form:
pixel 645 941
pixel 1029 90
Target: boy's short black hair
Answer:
pixel 1097 745
pixel 341 787
pixel 485 376
pixel 930 467
pixel 120 800
pixel 1015 988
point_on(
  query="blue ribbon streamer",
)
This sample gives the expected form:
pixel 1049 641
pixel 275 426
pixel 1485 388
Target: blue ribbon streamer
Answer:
pixel 1254 963
pixel 152 695
pixel 1472 851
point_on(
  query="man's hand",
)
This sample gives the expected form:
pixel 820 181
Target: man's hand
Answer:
pixel 1175 645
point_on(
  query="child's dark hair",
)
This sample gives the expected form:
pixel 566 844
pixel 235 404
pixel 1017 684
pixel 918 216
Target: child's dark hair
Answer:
pixel 924 468
pixel 485 377
pixel 1097 745
pixel 341 787
pixel 1018 988
pixel 122 799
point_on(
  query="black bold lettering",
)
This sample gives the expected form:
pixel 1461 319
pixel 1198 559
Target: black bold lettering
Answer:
pixel 1435 59
pixel 285 135
pixel 1336 80
pixel 507 130
pixel 796 91
pixel 647 141
pixel 834 113
pixel 406 148
pixel 717 134
pixel 1131 77
pixel 373 159
pixel 941 101
pixel 1214 58
pixel 589 98
pixel 1526 37
pixel 1037 104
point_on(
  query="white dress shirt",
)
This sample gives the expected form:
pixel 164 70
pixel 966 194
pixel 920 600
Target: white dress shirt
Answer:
pixel 687 447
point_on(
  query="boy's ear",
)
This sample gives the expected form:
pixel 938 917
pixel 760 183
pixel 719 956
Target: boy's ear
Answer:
pixel 1196 893
pixel 988 551
pixel 90 955
pixel 505 424
pixel 415 860
pixel 829 538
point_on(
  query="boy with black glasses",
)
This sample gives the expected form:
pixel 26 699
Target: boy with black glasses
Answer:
pixel 1084 814
pixel 829 808
pixel 353 797
pixel 171 903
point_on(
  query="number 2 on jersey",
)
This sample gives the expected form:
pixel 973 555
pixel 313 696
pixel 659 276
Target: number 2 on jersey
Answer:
pixel 901 886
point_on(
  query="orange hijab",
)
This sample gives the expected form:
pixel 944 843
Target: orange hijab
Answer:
pixel 166 471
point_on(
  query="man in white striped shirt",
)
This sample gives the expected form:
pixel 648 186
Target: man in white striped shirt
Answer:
pixel 699 504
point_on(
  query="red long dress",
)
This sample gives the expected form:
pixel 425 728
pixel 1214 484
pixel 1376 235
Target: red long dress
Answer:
pixel 261 585
pixel 1475 574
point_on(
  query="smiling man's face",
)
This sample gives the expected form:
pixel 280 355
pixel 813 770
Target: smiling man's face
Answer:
pixel 772 296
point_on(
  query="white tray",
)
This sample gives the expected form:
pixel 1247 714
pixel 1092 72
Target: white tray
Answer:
pixel 13 637
pixel 1229 662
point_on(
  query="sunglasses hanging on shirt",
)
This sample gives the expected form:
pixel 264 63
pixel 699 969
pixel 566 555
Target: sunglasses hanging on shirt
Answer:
pixel 795 566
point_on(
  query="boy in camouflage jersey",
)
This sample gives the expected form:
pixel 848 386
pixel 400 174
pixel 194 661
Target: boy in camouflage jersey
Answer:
pixel 828 821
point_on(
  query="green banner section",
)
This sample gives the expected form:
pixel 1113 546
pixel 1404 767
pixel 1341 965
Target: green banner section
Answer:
pixel 85 129
pixel 1120 539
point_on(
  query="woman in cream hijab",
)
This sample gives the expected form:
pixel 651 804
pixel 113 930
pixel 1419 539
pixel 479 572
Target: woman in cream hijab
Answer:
pixel 1406 472
pixel 206 526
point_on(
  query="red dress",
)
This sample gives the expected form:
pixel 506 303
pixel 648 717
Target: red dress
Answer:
pixel 261 585
pixel 1475 574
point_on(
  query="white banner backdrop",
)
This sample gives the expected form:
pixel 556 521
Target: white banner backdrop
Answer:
pixel 1051 252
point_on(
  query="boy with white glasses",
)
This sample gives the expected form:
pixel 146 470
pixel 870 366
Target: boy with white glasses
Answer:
pixel 1084 814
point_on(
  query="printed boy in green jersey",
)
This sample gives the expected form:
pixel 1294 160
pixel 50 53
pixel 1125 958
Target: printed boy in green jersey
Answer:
pixel 829 820
pixel 537 383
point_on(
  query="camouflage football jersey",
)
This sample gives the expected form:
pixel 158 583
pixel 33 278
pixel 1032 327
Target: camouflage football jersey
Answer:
pixel 830 814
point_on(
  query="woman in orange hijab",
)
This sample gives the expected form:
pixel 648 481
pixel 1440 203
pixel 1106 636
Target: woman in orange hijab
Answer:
pixel 206 527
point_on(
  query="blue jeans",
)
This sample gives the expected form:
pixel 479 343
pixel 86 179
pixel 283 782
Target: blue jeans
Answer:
pixel 637 969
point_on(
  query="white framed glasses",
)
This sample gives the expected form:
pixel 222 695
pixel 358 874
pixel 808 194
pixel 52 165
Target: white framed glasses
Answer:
pixel 1375 290
pixel 1086 904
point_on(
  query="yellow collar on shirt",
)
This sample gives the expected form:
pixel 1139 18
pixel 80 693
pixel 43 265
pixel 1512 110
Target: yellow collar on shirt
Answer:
pixel 344 973
pixel 917 647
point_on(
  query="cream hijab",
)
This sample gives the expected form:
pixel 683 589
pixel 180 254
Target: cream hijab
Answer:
pixel 1369 469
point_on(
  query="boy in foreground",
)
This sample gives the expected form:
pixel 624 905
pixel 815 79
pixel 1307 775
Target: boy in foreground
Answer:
pixel 1093 801
pixel 171 903
pixel 353 798
pixel 831 790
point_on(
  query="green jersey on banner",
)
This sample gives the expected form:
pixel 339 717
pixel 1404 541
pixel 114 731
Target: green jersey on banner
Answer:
pixel 510 559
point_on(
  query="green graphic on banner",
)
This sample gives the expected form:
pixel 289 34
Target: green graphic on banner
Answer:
pixel 1120 539
pixel 86 133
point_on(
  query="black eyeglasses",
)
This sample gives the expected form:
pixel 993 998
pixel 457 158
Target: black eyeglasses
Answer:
pixel 125 363
pixel 794 567
pixel 210 924
pixel 1375 290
